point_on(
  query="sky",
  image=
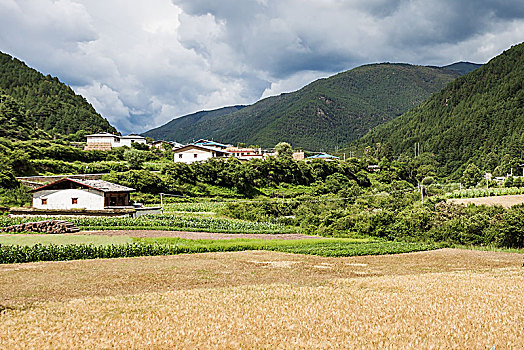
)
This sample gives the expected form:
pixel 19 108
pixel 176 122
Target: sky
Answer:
pixel 143 63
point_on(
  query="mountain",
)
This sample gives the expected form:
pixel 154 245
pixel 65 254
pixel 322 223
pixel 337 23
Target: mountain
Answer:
pixel 180 128
pixel 325 114
pixel 49 104
pixel 478 116
pixel 462 67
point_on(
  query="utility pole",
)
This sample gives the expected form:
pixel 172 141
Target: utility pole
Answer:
pixel 421 193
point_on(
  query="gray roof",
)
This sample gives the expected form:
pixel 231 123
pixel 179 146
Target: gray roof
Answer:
pixel 204 148
pixel 104 186
pixel 99 185
pixel 104 134
pixel 132 137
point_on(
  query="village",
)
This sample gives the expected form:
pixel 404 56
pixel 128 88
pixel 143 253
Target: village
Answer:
pixel 200 150
pixel 89 194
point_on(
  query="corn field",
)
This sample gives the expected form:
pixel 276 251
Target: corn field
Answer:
pixel 10 254
pixel 200 207
pixel 484 192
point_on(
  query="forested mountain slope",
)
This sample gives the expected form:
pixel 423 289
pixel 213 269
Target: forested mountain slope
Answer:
pixel 181 128
pixel 476 117
pixel 462 67
pixel 325 114
pixel 51 105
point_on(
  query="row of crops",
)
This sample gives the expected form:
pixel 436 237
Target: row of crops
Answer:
pixel 10 254
pixel 163 222
pixel 484 192
pixel 190 207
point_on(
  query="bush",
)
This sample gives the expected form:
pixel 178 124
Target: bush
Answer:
pixel 15 197
pixel 510 230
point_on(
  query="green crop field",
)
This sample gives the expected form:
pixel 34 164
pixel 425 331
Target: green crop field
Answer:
pixel 171 222
pixel 47 239
pixel 22 253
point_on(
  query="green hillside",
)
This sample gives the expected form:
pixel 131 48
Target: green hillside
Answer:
pixel 478 117
pixel 51 105
pixel 325 114
pixel 181 127
pixel 462 67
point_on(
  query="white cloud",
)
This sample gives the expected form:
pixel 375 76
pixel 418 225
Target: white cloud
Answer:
pixel 142 63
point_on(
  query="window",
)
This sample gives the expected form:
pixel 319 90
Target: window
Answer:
pixel 44 201
pixel 74 200
pixel 195 155
pixel 180 155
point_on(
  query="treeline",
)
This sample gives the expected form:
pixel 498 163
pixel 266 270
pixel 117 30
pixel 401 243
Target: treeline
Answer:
pixel 45 103
pixel 244 179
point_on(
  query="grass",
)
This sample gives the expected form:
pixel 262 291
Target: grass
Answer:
pixel 328 247
pixel 440 299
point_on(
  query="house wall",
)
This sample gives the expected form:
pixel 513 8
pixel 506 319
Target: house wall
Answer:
pixel 107 142
pixel 62 199
pixel 128 142
pixel 101 139
pixel 193 155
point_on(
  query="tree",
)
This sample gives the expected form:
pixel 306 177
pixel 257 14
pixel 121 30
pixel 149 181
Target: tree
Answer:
pixel 284 150
pixel 471 176
pixel 135 158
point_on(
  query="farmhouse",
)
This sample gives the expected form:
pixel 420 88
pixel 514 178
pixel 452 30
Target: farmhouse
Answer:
pixel 196 153
pixel 245 153
pixel 106 141
pixel 66 194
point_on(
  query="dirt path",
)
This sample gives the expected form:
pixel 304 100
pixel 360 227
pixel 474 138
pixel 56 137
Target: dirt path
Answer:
pixel 194 235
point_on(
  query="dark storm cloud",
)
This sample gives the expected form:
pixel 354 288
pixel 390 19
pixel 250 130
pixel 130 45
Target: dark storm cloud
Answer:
pixel 143 63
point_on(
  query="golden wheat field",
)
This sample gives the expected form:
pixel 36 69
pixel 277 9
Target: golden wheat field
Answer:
pixel 445 299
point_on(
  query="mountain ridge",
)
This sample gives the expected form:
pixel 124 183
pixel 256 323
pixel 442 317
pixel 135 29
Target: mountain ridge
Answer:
pixel 327 113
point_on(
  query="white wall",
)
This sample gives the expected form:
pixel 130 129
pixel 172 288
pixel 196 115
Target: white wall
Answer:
pixel 62 199
pixel 115 141
pixel 188 156
pixel 101 139
pixel 128 142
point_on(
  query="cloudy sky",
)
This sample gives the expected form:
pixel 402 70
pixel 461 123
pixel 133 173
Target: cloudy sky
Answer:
pixel 142 63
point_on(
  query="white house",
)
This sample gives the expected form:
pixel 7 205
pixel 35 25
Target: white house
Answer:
pixel 245 153
pixel 66 194
pixel 106 141
pixel 196 153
